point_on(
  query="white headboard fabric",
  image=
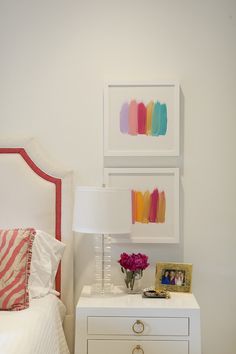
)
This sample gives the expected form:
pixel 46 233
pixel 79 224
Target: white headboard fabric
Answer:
pixel 35 193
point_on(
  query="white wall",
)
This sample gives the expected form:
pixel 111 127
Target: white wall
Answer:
pixel 54 57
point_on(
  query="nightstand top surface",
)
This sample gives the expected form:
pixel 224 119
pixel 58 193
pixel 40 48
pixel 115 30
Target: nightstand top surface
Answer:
pixel 119 299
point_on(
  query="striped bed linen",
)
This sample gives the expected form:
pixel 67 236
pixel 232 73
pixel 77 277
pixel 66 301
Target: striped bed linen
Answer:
pixel 35 330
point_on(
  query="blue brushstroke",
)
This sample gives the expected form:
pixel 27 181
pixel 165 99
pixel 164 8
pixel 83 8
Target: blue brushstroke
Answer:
pixel 163 127
pixel 156 119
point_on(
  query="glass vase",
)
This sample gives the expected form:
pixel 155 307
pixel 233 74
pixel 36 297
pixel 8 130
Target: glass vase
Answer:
pixel 133 281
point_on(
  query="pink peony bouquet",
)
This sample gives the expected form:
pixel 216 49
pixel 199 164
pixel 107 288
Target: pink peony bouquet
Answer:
pixel 132 265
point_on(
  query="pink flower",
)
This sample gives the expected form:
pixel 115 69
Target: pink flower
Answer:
pixel 133 262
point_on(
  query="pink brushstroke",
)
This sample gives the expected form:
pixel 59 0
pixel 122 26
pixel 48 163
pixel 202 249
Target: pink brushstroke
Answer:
pixel 142 112
pixel 133 118
pixel 153 205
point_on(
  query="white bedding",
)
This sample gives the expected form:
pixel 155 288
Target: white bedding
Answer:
pixel 36 330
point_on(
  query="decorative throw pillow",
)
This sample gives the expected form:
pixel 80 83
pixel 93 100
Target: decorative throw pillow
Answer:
pixel 15 260
pixel 46 255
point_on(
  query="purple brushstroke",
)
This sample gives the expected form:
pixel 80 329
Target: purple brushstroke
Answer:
pixel 124 118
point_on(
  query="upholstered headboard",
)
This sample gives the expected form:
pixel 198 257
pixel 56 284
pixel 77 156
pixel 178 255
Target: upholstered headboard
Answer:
pixel 35 193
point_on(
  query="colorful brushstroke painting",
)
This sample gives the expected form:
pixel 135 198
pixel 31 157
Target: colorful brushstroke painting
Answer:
pixel 140 119
pixel 148 207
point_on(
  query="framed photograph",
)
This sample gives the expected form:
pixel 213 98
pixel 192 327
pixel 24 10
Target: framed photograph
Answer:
pixel 155 202
pixel 174 277
pixel 141 119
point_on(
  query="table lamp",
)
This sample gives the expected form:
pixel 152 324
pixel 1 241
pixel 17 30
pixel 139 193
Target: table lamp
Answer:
pixel 102 211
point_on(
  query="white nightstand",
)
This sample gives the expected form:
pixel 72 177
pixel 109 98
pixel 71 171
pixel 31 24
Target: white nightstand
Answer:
pixel 129 324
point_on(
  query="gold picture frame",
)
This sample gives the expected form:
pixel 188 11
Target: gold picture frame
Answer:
pixel 173 277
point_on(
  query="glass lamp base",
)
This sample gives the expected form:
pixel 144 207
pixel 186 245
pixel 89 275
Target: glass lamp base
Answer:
pixel 102 248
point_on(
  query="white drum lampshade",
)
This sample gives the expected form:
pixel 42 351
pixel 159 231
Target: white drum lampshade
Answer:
pixel 102 210
pixel 106 211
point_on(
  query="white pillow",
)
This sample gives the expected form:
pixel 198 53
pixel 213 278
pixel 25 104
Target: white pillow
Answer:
pixel 46 255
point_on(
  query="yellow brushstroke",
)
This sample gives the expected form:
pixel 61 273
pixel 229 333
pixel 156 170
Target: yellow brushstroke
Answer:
pixel 146 207
pixel 162 207
pixel 139 205
pixel 149 117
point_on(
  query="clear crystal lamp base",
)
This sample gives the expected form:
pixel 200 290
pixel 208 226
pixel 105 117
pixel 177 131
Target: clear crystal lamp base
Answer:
pixel 102 248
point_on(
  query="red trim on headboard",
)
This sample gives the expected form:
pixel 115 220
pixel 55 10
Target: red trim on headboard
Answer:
pixel 57 182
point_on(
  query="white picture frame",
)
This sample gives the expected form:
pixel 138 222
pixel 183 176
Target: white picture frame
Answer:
pixel 161 136
pixel 141 180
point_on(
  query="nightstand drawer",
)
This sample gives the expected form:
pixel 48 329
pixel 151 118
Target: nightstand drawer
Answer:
pixel 137 347
pixel 159 326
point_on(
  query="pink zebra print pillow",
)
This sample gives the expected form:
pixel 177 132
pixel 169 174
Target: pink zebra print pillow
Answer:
pixel 15 260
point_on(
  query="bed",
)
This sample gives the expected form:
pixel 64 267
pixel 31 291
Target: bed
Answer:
pixel 35 193
pixel 37 329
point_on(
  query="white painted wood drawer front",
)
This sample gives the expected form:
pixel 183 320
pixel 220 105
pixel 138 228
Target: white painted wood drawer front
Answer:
pixel 137 347
pixel 159 326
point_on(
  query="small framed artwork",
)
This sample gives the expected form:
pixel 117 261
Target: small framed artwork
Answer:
pixel 154 194
pixel 141 119
pixel 174 277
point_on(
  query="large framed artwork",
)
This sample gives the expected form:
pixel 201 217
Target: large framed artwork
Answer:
pixel 141 119
pixel 155 202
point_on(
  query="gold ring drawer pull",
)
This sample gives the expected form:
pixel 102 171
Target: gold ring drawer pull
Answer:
pixel 139 349
pixel 138 327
